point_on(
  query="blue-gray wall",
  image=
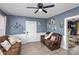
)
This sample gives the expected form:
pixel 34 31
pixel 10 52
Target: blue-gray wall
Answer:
pixel 60 18
pixel 12 28
pixel 20 27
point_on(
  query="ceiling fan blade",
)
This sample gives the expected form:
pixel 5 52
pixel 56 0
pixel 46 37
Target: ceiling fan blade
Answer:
pixel 36 11
pixel 33 7
pixel 48 6
pixel 44 10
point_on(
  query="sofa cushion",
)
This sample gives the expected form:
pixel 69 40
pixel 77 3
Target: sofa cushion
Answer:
pixel 12 40
pixel 47 42
pixel 16 45
pixel 53 38
pixel 14 50
pixel 6 45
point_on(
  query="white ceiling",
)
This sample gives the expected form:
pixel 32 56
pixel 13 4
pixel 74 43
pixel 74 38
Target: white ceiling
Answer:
pixel 20 9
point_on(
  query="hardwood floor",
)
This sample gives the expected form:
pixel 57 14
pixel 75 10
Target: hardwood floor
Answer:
pixel 37 48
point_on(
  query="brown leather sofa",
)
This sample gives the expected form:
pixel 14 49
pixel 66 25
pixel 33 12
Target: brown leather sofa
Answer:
pixel 52 45
pixel 14 50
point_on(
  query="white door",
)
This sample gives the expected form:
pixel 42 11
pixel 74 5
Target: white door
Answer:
pixel 31 31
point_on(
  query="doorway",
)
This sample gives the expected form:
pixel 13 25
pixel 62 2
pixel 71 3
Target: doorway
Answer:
pixel 31 29
pixel 71 31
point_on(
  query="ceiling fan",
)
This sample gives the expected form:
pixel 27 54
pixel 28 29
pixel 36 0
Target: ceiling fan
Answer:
pixel 40 7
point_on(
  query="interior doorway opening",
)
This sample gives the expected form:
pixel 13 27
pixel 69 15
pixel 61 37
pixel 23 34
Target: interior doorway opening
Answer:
pixel 72 31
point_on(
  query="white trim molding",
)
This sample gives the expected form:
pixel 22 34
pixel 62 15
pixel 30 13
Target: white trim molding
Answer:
pixel 66 30
pixel 23 37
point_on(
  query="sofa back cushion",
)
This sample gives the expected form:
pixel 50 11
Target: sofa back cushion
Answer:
pixel 3 38
pixel 48 33
pixel 12 39
pixel 53 38
pixel 58 36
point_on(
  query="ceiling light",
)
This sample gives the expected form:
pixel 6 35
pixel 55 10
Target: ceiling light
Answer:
pixel 40 10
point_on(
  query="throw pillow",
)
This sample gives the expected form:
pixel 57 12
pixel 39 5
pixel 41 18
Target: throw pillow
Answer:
pixel 12 40
pixel 48 35
pixel 52 38
pixel 6 45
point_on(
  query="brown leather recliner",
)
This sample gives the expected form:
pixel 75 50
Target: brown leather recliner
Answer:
pixel 14 49
pixel 52 45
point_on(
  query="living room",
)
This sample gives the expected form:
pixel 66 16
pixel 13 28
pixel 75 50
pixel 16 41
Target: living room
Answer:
pixel 28 26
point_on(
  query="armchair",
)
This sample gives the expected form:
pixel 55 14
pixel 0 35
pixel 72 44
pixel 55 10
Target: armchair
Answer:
pixel 52 44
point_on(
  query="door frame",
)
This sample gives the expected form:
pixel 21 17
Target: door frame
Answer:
pixel 66 28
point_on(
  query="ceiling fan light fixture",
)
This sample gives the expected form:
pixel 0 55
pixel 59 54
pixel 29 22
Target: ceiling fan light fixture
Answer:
pixel 40 10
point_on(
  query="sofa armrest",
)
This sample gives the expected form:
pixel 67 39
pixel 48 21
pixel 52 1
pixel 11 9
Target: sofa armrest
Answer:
pixel 18 40
pixel 42 36
pixel 56 41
